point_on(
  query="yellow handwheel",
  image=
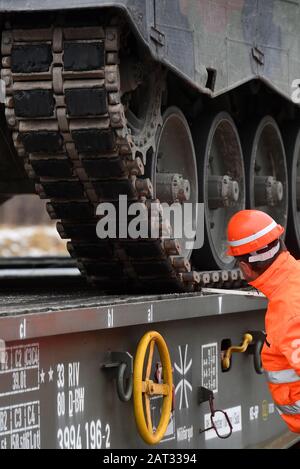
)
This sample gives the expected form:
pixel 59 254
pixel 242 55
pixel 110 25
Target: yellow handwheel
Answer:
pixel 144 389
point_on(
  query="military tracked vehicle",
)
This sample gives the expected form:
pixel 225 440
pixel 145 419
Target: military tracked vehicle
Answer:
pixel 175 101
pixel 161 101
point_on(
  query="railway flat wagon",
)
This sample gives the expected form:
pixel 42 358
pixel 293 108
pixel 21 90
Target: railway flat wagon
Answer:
pixel 87 371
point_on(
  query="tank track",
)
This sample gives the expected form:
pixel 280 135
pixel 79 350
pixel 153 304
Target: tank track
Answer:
pixel 68 124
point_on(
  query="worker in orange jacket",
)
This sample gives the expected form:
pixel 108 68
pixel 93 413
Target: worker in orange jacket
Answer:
pixel 255 240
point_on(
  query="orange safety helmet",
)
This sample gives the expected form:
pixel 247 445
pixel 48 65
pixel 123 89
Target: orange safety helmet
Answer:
pixel 250 231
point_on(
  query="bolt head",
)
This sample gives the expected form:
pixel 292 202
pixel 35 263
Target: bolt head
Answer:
pixel 5 61
pixel 111 78
pixel 279 191
pixel 115 118
pixel 235 191
pixel 111 36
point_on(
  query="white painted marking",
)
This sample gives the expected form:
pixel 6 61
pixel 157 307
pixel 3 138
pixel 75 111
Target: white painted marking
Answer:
pixel 110 318
pixel 22 418
pixel 20 430
pixel 21 391
pixel 42 376
pixel 150 314
pixel 22 330
pixel 50 374
pixel 183 369
pixel 209 366
pixel 235 416
pixel 21 362
pixel 14 370
pixel 185 433
pixel 220 301
pixel 254 412
pixel 2 352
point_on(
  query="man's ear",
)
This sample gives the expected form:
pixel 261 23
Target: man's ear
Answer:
pixel 247 271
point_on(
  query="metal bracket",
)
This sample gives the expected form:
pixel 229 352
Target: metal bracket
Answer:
pixel 122 365
pixel 115 359
pixel 255 349
pixel 204 395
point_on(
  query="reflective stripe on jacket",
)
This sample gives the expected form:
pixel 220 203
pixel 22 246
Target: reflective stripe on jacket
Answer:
pixel 281 351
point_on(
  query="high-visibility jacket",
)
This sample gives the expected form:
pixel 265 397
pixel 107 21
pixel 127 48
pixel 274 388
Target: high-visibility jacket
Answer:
pixel 281 352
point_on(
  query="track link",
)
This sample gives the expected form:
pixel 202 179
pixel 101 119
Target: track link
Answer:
pixel 64 108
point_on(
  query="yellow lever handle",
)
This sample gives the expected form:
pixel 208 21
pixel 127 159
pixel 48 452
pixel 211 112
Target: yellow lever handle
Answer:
pixel 226 361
